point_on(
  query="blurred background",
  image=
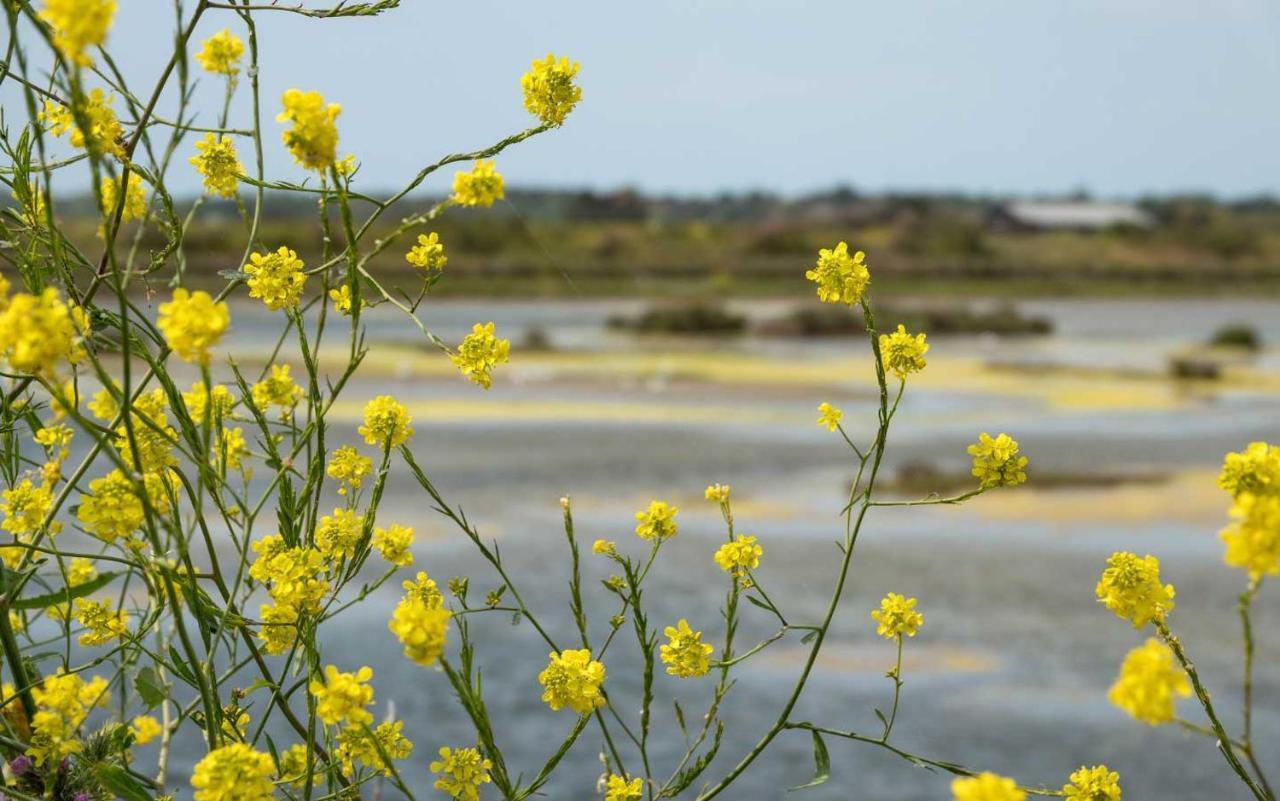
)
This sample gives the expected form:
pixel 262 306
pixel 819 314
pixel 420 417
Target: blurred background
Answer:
pixel 1078 203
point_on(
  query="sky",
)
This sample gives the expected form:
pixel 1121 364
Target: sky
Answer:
pixel 1117 97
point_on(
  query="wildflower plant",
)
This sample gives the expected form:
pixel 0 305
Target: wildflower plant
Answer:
pixel 195 598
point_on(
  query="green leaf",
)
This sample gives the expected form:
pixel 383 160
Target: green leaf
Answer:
pixel 64 595
pixel 821 763
pixel 181 668
pixel 150 687
pixel 757 602
pixel 118 781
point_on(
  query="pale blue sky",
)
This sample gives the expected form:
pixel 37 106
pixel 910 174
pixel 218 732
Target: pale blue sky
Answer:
pixel 1118 96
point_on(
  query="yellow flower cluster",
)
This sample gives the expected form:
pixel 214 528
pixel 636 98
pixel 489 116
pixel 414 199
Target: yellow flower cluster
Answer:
pixel 386 422
pixel 112 508
pixel 718 492
pixel 903 353
pixel 393 544
pixel 152 434
pixel 348 467
pixel 277 388
pixel 135 199
pixel 342 300
pixel 78 25
pixel 192 323
pixel 996 462
pixel 1130 587
pixel 740 556
pixel 342 697
pixel 829 416
pixel 428 253
pixel 101 624
pixel 37 332
pixel 897 616
pixel 359 744
pixel 420 621
pixel 1253 539
pixel 1149 684
pixel 1097 783
pixel 63 701
pixel 479 352
pixel 549 91
pixel 658 522
pixel 105 136
pixel 623 788
pixel 479 187
pixel 145 728
pixel 233 772
pixel 337 535
pixel 573 679
pixel 198 402
pixel 841 278
pixel 220 53
pixel 685 655
pixel 460 773
pixel 25 506
pixel 1256 469
pixel 218 164
pixel 295 584
pixel 276 278
pixel 987 787
pixel 313 137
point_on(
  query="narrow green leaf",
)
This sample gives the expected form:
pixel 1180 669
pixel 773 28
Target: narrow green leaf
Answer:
pixel 821 763
pixel 118 781
pixel 64 595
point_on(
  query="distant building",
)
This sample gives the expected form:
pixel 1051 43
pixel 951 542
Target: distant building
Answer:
pixel 1086 215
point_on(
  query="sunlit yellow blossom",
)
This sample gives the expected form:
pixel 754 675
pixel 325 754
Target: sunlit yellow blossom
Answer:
pixel 231 450
pixel 37 332
pixel 338 534
pixel 424 590
pixel 986 787
pixel 829 416
pixel 277 389
pixel 739 556
pixel 1097 783
pixel 135 199
pixel 276 278
pixel 342 299
pixel 718 492
pixel 25 507
pixel 604 547
pixel 386 422
pixel 421 629
pixel 685 654
pixel 903 353
pixel 101 623
pixel 996 462
pixel 313 137
pixel 1256 469
pixel 622 788
pixel 342 697
pixel 197 401
pixel 63 701
pixel 56 440
pixel 479 187
pixel 293 764
pixel 192 323
pixel 1253 540
pixel 279 628
pixel 1149 684
pixel 293 574
pixel 460 772
pixel 479 352
pixel 233 772
pixel 658 522
pixel 145 729
pixel 1130 586
pixel 17 622
pixel 393 543
pixel 78 25
pixel 841 278
pixel 356 744
pixel 573 679
pixel 897 616
pixel 428 253
pixel 103 405
pixel 105 135
pixel 549 91
pixel 218 164
pixel 349 467
pixel 112 508
pixel 221 53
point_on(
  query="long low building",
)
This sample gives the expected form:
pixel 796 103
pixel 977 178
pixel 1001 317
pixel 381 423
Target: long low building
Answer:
pixel 1067 216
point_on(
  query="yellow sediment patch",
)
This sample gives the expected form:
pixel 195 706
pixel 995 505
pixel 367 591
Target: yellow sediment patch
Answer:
pixel 1188 495
pixel 877 657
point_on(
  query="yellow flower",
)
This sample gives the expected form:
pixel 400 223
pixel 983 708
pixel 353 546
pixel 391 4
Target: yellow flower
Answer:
pixel 421 629
pixel 424 590
pixel 349 467
pixel 342 697
pixel 135 199
pixel 111 509
pixel 604 547
pixel 357 744
pixel 63 701
pixel 685 654
pixel 25 507
pixel 1093 784
pixel 56 440
pixel 37 332
pixel 293 764
pixel 197 401
pixel 623 788
pixel 479 187
pixel 903 353
pixel 78 25
pixel 105 135
pixel 1130 586
pixel 386 422
pixel 996 462
pixel 103 625
pixel 218 163
pixel 739 557
pixel 145 729
pixel 192 323
pixel 276 278
pixel 393 544
pixel 1256 469
pixel 1149 684
pixel 428 253
pixel 479 352
pixel 573 679
pixel 233 772
pixel 986 787
pixel 337 535
pixel 279 628
pixel 549 91
pixel 840 277
pixel 341 297
pixel 277 389
pixel 313 139
pixel 293 573
pixel 829 416
pixel 718 493
pixel 897 616
pixel 221 53
pixel 1253 540
pixel 460 773
pixel 658 522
